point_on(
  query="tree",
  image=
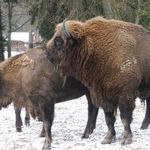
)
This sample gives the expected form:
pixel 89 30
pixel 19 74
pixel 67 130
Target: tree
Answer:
pixel 30 37
pixel 46 14
pixel 109 9
pixel 138 16
pixel 1 37
pixel 10 7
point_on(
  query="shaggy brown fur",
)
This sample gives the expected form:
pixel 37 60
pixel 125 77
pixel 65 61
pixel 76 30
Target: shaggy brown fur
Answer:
pixel 112 58
pixel 30 77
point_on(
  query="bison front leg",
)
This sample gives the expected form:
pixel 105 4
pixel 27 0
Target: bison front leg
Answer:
pixel 126 117
pixel 110 120
pixel 146 120
pixel 92 116
pixel 18 119
pixel 47 115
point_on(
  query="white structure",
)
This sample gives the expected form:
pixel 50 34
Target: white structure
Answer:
pixel 20 36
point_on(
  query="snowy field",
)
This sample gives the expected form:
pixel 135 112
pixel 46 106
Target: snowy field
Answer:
pixel 69 123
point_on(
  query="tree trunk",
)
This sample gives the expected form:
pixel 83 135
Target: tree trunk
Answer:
pixel 137 20
pixel 1 37
pixel 108 7
pixel 9 27
pixel 30 37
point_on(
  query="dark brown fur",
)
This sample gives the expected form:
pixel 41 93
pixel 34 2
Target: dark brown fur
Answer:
pixel 30 77
pixel 110 57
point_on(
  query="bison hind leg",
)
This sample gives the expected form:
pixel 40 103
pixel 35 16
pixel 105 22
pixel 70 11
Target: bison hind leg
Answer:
pixel 18 123
pixel 111 134
pixel 126 118
pixel 146 120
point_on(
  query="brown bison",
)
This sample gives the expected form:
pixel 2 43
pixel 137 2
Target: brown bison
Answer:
pixel 111 58
pixel 30 77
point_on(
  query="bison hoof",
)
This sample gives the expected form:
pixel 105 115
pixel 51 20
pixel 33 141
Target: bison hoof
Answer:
pixel 127 140
pixel 108 141
pixel 27 122
pixel 18 129
pixel 144 125
pixel 47 144
pixel 39 118
pixel 87 133
pixel 46 147
pixel 109 138
pixel 42 134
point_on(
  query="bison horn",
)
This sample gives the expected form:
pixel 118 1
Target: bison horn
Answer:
pixel 64 29
pixel 64 81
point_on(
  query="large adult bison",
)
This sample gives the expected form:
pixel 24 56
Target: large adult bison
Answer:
pixel 111 58
pixel 31 77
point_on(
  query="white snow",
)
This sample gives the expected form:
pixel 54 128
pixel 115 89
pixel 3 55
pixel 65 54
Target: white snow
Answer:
pixel 68 126
pixel 20 36
pixel 12 53
pixel 69 123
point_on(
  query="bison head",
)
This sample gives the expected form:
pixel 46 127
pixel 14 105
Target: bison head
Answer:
pixel 65 42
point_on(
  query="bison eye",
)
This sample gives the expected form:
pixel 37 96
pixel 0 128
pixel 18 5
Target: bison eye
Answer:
pixel 58 43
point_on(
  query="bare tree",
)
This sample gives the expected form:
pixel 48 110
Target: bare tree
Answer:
pixel 137 20
pixel 1 37
pixel 9 27
pixel 109 8
pixel 30 37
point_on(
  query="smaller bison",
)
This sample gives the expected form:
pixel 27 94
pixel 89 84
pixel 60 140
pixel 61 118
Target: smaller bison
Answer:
pixel 111 58
pixel 30 77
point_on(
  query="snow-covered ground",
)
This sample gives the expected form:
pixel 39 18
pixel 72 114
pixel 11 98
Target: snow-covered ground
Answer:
pixel 69 123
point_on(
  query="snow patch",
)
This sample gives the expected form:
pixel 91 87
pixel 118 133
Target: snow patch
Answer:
pixel 68 126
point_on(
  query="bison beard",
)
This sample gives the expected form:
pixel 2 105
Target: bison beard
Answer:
pixel 111 58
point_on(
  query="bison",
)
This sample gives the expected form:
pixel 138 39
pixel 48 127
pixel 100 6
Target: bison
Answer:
pixel 111 58
pixel 30 77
